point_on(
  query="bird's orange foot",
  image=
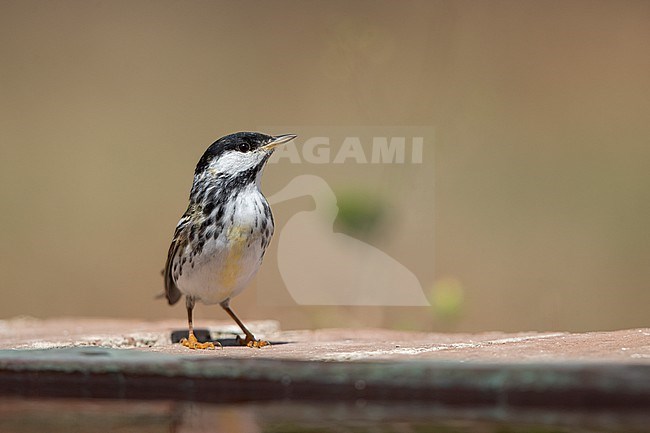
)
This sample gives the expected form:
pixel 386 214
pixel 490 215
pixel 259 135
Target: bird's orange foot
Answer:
pixel 250 341
pixel 193 343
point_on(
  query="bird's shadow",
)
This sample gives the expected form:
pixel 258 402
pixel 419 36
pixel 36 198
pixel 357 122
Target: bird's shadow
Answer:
pixel 204 335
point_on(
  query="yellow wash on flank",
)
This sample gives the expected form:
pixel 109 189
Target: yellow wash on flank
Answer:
pixel 238 238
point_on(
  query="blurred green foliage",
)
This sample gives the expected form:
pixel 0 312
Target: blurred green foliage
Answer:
pixel 447 298
pixel 360 212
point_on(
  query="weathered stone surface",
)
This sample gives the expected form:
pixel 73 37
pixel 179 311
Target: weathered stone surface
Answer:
pixel 626 346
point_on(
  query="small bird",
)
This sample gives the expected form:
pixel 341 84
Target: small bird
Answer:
pixel 220 240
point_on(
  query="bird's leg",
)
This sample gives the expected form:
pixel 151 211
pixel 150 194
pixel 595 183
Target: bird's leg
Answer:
pixel 250 340
pixel 191 342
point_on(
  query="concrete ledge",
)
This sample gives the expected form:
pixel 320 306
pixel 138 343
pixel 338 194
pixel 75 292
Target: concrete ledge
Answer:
pixel 136 360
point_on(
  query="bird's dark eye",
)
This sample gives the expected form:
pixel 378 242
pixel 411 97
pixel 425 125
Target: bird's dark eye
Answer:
pixel 243 147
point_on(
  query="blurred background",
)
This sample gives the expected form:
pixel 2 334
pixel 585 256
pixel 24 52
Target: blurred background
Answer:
pixel 530 209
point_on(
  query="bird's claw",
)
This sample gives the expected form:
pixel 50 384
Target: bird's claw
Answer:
pixel 250 341
pixel 192 343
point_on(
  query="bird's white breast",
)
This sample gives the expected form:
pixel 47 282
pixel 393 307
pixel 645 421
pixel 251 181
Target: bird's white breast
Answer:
pixel 231 257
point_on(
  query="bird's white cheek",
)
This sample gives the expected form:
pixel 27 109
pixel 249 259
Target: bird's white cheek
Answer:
pixel 234 162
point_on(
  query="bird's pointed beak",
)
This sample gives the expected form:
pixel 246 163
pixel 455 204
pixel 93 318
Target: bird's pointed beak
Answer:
pixel 278 140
